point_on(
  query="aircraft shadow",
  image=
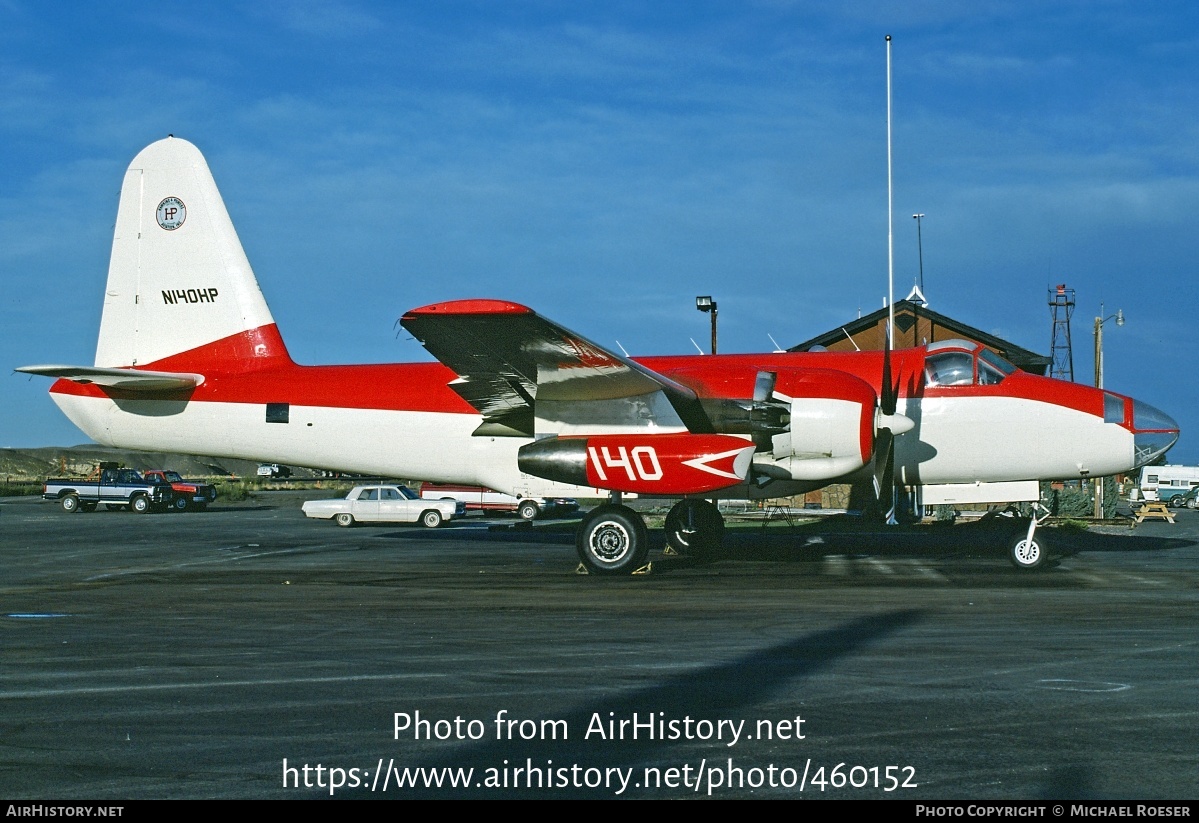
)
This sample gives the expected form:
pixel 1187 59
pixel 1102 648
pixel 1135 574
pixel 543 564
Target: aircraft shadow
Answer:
pixel 722 691
pixel 812 542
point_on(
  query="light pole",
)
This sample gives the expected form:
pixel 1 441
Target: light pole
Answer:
pixel 1099 321
pixel 707 304
pixel 920 247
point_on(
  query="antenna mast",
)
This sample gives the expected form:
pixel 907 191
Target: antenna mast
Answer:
pixel 890 216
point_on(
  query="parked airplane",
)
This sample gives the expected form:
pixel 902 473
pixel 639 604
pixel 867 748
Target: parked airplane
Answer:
pixel 189 359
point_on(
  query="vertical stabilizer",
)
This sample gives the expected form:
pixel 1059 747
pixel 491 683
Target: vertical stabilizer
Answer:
pixel 179 284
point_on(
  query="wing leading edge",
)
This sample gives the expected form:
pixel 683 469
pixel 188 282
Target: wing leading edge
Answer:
pixel 525 374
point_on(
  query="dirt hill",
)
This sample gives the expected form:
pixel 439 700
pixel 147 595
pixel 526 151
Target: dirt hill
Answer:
pixel 54 461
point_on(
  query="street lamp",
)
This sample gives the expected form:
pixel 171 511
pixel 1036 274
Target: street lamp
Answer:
pixel 1099 321
pixel 707 304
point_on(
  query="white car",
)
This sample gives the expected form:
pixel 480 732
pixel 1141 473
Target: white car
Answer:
pixel 478 497
pixel 384 504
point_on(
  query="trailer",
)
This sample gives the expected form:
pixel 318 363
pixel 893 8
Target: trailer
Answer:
pixel 1164 483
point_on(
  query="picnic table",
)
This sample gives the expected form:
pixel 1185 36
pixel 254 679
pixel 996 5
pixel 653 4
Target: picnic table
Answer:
pixel 1153 509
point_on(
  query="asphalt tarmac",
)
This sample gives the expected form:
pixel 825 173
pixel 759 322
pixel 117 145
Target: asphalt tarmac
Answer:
pixel 250 653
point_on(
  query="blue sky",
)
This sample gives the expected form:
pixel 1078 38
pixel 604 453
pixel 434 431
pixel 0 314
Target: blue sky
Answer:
pixel 605 163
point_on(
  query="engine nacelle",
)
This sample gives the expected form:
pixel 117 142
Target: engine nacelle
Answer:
pixel 654 464
pixel 832 429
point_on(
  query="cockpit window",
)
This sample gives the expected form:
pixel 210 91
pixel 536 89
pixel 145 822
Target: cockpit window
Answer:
pixel 988 376
pixel 1113 408
pixel 992 359
pixel 954 368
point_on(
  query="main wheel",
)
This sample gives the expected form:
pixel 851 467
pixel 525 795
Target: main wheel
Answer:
pixel 528 510
pixel 140 504
pixel 431 519
pixel 695 528
pixel 345 520
pixel 613 540
pixel 1026 554
pixel 70 503
pixel 180 504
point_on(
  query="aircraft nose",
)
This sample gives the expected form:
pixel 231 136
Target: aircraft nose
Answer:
pixel 1153 431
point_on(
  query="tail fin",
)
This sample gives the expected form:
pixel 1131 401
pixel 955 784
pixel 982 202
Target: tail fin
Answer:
pixel 181 294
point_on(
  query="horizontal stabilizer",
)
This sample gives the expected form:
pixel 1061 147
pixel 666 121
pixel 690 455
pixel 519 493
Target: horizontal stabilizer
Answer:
pixel 134 380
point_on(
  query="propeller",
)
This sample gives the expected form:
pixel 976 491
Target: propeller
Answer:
pixel 888 424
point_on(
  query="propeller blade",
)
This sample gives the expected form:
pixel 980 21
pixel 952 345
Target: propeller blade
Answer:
pixel 890 391
pixel 885 490
pixel 884 464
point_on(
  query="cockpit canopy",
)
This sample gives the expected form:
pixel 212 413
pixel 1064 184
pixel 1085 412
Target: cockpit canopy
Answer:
pixel 962 363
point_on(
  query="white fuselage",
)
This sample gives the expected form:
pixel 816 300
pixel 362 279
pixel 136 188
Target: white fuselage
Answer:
pixel 955 440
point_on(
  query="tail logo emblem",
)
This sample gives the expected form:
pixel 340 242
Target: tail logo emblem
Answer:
pixel 171 213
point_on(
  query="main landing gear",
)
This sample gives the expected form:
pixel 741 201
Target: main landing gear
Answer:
pixel 695 528
pixel 613 539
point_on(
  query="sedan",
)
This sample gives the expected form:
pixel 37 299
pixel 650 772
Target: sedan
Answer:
pixel 384 504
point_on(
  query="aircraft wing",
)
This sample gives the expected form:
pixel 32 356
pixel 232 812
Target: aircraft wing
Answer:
pixel 131 380
pixel 508 358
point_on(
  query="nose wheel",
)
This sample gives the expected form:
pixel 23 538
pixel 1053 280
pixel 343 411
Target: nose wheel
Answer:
pixel 1027 549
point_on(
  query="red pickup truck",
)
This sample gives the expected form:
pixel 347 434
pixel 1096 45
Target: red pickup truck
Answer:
pixel 188 493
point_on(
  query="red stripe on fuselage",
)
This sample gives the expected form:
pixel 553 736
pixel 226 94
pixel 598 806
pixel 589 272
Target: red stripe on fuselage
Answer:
pixel 254 367
pixel 907 366
pixel 419 387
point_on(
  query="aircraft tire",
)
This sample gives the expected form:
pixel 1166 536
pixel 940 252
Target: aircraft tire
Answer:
pixel 704 541
pixel 1026 554
pixel 613 540
pixel 70 503
pixel 345 520
pixel 431 519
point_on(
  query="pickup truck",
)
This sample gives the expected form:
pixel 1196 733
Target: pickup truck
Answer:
pixel 188 493
pixel 112 486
